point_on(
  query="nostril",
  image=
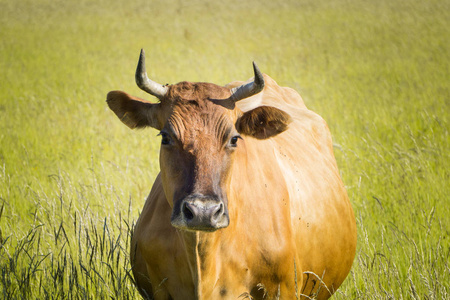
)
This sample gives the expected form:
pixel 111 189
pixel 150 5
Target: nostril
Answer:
pixel 187 212
pixel 219 211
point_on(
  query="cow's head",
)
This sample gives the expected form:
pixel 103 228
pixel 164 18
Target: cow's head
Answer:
pixel 201 130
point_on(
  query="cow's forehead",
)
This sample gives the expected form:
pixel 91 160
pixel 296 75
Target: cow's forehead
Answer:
pixel 197 112
pixel 198 119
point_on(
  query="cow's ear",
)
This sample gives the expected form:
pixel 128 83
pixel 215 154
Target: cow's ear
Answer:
pixel 132 111
pixel 263 122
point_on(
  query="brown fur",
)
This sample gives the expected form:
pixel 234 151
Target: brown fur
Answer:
pixel 185 91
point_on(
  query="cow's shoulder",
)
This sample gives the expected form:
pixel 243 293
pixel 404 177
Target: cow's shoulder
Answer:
pixel 157 240
pixel 153 229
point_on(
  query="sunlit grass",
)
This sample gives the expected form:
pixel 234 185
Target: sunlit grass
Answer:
pixel 73 178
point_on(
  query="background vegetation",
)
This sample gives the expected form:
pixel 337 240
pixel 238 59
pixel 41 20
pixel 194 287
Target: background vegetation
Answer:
pixel 73 178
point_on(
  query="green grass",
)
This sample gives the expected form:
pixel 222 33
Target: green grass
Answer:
pixel 73 178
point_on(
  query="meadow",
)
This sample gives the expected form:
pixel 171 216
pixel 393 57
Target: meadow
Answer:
pixel 73 178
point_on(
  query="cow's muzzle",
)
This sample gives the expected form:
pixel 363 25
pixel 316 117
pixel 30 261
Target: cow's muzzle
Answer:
pixel 201 213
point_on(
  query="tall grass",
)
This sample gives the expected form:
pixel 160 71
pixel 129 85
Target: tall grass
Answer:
pixel 73 179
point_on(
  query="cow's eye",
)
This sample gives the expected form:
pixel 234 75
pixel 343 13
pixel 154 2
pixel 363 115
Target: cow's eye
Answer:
pixel 165 138
pixel 234 140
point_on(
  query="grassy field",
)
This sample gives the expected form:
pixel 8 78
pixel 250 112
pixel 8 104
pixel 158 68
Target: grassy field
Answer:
pixel 73 178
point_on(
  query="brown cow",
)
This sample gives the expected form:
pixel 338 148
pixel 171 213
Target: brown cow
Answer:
pixel 249 202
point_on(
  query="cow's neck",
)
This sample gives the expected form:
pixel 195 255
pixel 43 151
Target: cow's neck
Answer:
pixel 202 260
pixel 190 241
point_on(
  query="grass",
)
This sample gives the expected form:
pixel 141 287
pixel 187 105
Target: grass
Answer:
pixel 73 179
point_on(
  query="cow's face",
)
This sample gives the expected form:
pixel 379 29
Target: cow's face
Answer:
pixel 198 141
pixel 201 132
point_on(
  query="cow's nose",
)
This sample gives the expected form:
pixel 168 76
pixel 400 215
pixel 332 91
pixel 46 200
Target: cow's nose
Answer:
pixel 204 213
pixel 212 212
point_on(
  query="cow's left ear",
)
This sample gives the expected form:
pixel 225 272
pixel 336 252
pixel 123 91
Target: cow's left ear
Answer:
pixel 263 122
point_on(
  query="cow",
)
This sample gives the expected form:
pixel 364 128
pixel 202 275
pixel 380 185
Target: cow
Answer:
pixel 248 203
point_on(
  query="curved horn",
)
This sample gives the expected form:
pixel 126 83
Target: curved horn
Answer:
pixel 144 83
pixel 249 89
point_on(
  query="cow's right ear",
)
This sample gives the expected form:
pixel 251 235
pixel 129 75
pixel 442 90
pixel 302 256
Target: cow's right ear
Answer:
pixel 132 111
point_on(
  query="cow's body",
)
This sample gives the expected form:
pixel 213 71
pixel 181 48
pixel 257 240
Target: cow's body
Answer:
pixel 291 226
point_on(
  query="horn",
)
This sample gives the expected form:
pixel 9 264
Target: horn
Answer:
pixel 249 89
pixel 146 84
